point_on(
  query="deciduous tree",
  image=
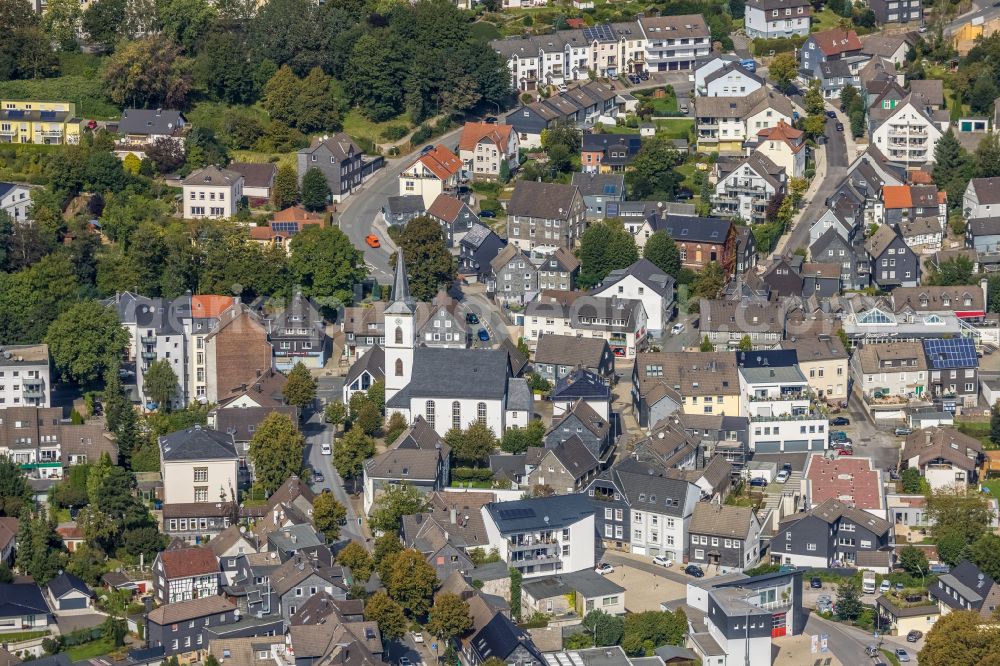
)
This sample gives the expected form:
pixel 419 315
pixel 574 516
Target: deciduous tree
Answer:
pixel 961 637
pixel 849 599
pixel 160 383
pixel 148 72
pixel 473 445
pixel 394 503
pixel 662 251
pixel 387 614
pixel 604 247
pixel 286 187
pixel 300 390
pixel 358 559
pixel 652 175
pixel 913 560
pixel 783 69
pixel 429 265
pixel 957 517
pixel 325 265
pixel 276 450
pixel 449 617
pixel 411 582
pixel 351 451
pixel 328 515
pixel 84 341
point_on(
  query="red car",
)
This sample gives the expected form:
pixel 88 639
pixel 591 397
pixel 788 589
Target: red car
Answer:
pixel 372 240
pixel 845 452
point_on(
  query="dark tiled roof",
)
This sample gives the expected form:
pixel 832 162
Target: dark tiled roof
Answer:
pixel 484 373
pixel 197 443
pixel 542 200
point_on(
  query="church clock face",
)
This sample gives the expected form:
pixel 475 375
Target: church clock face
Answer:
pixel 399 322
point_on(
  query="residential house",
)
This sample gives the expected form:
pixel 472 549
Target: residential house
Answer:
pixel 443 325
pixel 953 367
pixel 476 250
pixel 768 19
pixel 608 153
pixel 665 382
pixel 725 123
pixel 15 200
pixel 784 276
pixel 502 639
pixel 455 514
pixel 557 356
pixel 645 282
pixel 542 535
pixel 47 123
pixel 364 372
pixel 725 323
pixel 237 354
pixel 340 160
pixel 616 48
pixel 849 479
pixel 581 422
pixel 183 574
pixel 640 508
pixel 834 533
pixel 183 628
pixel 945 457
pixel 580 107
pixel 904 11
pixel 138 129
pixel 824 362
pixel 418 458
pixel 675 42
pixel 488 151
pixel 200 472
pixel 298 334
pixel 620 321
pixel 68 592
pixel 514 276
pixel 834 57
pixel 911 131
pixel 434 172
pixel 566 468
pixel 746 251
pixel 745 187
pixel 708 66
pixel 23 608
pixel 284 225
pixel 258 179
pixel 455 216
pixel 581 384
pixel 212 193
pixel 241 422
pixel 598 191
pixel 702 240
pixel 400 209
pixel 820 280
pixel 894 263
pixel 724 537
pixel 981 199
pixel 24 370
pixel 545 60
pixel 785 146
pixel 906 203
pixel 730 80
pixel 643 218
pixel 846 247
pixel 228 546
pixel 207 311
pixel 300 577
pixel 966 588
pixel 896 369
pixel 983 235
pixel 45 444
pixel 557 269
pixel 565 595
pixel 545 214
pixel 363 327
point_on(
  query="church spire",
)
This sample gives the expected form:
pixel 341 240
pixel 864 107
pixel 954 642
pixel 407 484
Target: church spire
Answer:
pixel 402 302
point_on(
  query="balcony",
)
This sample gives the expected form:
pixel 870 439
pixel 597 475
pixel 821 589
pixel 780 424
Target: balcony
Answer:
pixel 804 394
pixel 149 355
pixel 32 381
pixel 51 133
pixel 537 556
pixel 148 339
pixel 8 132
pixel 812 416
pixel 33 393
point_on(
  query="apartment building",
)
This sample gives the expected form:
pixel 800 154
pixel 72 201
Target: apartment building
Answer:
pixel 545 214
pixel 48 123
pixel 745 187
pixel 25 376
pixel 824 362
pixel 206 313
pixel 621 321
pixel 340 160
pixel 675 42
pixel 891 369
pixel 911 131
pixel 212 193
pixel 768 19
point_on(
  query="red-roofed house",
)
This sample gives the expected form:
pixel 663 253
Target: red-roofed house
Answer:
pixel 851 480
pixel 834 57
pixel 903 203
pixel 71 535
pixel 183 574
pixel 284 225
pixel 785 146
pixel 484 147
pixel 436 171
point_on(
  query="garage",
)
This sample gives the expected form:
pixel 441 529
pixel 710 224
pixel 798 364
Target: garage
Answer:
pixel 69 593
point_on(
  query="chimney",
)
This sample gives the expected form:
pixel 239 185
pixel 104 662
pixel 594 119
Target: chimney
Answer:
pixel 454 515
pixel 983 284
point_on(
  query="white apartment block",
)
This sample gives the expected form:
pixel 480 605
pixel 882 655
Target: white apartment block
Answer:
pixel 24 376
pixel 212 193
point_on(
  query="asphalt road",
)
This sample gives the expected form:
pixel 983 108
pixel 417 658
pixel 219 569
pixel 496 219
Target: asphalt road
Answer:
pixel 836 170
pixel 984 9
pixel 848 644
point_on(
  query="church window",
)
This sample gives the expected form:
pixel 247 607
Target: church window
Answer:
pixel 429 413
pixel 399 367
pixel 399 335
pixel 456 414
pixel 481 412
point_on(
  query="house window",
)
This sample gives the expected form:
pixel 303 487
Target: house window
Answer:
pixel 429 413
pixel 200 474
pixel 201 494
pixel 456 414
pixel 481 412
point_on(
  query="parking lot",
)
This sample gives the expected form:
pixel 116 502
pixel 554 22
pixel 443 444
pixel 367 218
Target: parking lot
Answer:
pixel 647 585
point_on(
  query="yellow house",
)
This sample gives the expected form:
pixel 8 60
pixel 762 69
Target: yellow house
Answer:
pixel 53 123
pixel 903 616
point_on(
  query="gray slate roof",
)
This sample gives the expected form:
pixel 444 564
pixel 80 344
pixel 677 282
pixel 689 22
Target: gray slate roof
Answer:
pixel 543 200
pixel 451 373
pixel 150 121
pixel 646 272
pixel 519 395
pixel 537 513
pixel 570 350
pixel 197 443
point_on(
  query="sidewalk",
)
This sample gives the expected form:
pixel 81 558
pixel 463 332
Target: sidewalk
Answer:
pixel 810 193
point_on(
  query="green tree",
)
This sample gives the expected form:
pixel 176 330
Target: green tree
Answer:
pixel 102 21
pixel 186 22
pixel 473 445
pixel 746 344
pixel 328 515
pixel 394 503
pixel 709 282
pixel 318 104
pixel 61 20
pixel 351 451
pixel 951 168
pixel 300 390
pixel 357 559
pixel 387 547
pixel 605 629
pixel 706 345
pixel 276 450
pixel 847 95
pixel 429 265
pixel 652 175
pixel 85 340
pixel 40 552
pixel 517 440
pixel 449 617
pixel 995 423
pixel 14 491
pixel 335 413
pixel 326 265
pixel 368 419
pixel 662 251
pixel 315 190
pixel 911 480
pixel 985 554
pixel 849 599
pixel 986 159
pixel 604 247
pixel 515 594
pixel 961 637
pixel 646 631
pixel 395 427
pixel 814 103
pixel 375 69
pixel 913 560
pixel 387 614
pixel 148 72
pixel 160 383
pixel 984 91
pixel 783 70
pixel 957 517
pixel 957 270
pixel 286 187
pixel 411 582
pixel 87 563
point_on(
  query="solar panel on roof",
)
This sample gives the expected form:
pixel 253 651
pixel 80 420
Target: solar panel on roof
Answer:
pixel 610 189
pixel 599 32
pixel 48 115
pixel 951 353
pixel 515 514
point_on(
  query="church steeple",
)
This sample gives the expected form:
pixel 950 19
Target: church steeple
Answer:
pixel 402 302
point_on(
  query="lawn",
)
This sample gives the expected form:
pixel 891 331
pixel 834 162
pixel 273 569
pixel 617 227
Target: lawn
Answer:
pixel 360 127
pixel 891 656
pixel 254 157
pixel 91 649
pixel 674 128
pixel 86 93
pixel 993 485
pixel 825 20
pixel 484 31
pixel 19 636
pixel 978 429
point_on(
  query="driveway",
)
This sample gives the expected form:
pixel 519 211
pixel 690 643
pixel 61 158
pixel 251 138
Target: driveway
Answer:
pixel 70 622
pixel 836 170
pixel 646 590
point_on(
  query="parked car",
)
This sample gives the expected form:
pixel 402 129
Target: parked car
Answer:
pixel 326 449
pixel 815 583
pixel 426 149
pixel 838 436
pixel 663 561
pixel 782 476
pixel 484 335
pixel 644 76
pixel 871 651
pixel 487 213
pixel 318 478
pixel 372 240
pixel 914 636
pixel 902 655
pixel 492 120
pixel 840 421
pixel 899 587
pixel 840 127
pixel 749 64
pixel 884 587
pixel 831 114
pixel 694 570
pixel 418 636
pixel 471 318
pixel 604 568
pixel 677 328
pixel 845 451
pixel 404 661
pixel 902 432
pixel 758 482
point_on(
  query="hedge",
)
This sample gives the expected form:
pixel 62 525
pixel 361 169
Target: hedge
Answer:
pixel 472 474
pixel 763 47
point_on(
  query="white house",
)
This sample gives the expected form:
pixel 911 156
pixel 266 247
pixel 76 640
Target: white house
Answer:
pixel 24 376
pixel 620 321
pixel 212 193
pixel 198 465
pixel 981 199
pixel 645 282
pixel 15 200
pixel 731 81
pixel 710 66
pixel 910 134
pixel 433 173
pixel 542 535
pixel 484 147
pixel 785 146
pixel 744 188
pixel 768 19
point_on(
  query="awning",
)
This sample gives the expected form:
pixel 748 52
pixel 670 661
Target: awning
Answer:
pixel 968 314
